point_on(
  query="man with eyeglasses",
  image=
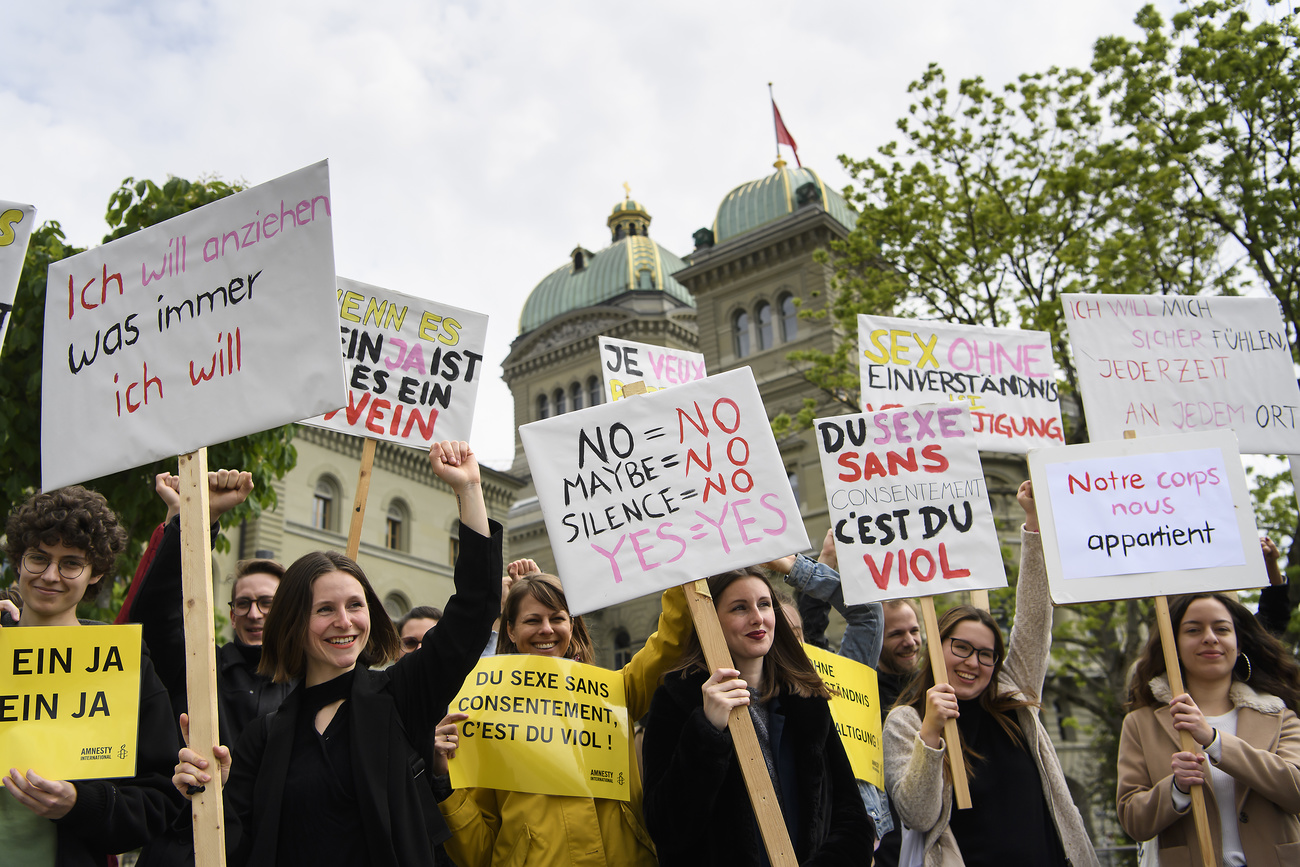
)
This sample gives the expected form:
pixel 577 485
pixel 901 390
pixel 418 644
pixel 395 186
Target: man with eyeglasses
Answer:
pixel 412 627
pixel 156 602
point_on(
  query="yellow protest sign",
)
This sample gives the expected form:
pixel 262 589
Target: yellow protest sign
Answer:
pixel 537 724
pixel 70 700
pixel 855 708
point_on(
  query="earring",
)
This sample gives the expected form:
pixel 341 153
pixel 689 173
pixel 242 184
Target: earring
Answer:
pixel 1248 668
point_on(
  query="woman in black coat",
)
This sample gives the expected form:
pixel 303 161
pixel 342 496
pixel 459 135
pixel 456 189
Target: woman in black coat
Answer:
pixel 696 805
pixel 338 772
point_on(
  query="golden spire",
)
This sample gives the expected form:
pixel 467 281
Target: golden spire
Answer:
pixel 627 190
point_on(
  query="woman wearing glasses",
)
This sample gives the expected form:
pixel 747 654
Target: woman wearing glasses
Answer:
pixel 1010 762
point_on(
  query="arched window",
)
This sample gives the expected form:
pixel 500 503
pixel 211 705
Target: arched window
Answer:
pixel 543 407
pixel 789 318
pixel 575 395
pixel 395 526
pixel 763 313
pixel 559 402
pixel 622 648
pixel 396 604
pixel 324 508
pixel 595 391
pixel 740 333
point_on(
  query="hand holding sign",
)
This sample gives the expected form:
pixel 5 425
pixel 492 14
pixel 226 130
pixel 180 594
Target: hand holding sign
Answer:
pixel 940 706
pixel 446 737
pixel 723 692
pixel 49 799
pixel 192 769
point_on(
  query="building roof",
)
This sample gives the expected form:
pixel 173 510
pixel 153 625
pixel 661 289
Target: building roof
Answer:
pixel 633 262
pixel 760 202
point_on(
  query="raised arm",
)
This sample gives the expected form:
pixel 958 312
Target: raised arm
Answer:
pixel 1031 634
pixel 660 653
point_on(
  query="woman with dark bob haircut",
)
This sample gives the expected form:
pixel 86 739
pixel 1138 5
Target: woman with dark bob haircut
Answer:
pixel 697 806
pixel 1242 694
pixel 347 752
pixel 492 826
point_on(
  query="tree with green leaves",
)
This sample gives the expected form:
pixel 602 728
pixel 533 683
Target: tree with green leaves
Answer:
pixel 268 454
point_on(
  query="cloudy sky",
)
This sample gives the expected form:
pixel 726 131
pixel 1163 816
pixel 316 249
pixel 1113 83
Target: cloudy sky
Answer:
pixel 473 145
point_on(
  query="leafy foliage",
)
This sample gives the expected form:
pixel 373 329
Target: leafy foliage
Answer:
pixel 268 454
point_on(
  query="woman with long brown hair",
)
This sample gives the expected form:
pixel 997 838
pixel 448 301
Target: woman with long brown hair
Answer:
pixel 1242 694
pixel 697 806
pixel 993 693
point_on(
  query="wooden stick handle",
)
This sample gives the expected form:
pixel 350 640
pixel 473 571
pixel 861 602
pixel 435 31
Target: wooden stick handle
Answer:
pixel 1200 816
pixel 980 599
pixel 761 794
pixel 359 503
pixel 951 737
pixel 200 653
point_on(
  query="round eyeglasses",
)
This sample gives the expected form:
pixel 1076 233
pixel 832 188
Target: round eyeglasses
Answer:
pixel 36 562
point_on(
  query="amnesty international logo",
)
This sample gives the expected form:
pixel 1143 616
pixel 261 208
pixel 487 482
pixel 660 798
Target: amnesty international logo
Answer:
pixel 122 753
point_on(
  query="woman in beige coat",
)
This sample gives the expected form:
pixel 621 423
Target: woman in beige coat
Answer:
pixel 1242 692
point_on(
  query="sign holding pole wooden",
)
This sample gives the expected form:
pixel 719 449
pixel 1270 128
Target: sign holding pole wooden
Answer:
pixel 359 503
pixel 762 795
pixel 951 736
pixel 200 653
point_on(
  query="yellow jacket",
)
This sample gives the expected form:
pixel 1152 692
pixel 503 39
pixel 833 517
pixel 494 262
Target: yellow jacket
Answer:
pixel 494 828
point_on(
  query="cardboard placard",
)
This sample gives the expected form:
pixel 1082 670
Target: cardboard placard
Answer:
pixel 1005 376
pixel 16 224
pixel 908 503
pixel 544 725
pixel 215 324
pixel 1146 517
pixel 71 702
pixel 623 361
pixel 855 709
pixel 650 493
pixel 413 367
pixel 1165 365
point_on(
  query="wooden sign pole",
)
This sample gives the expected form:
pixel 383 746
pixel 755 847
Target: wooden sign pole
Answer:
pixel 1199 813
pixel 200 653
pixel 951 738
pixel 980 599
pixel 761 794
pixel 359 503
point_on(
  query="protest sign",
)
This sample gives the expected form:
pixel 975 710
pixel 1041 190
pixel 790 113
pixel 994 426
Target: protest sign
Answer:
pixel 1170 365
pixel 908 503
pixel 1005 376
pixel 71 700
pixel 1174 510
pixel 154 349
pixel 855 709
pixel 16 222
pixel 413 367
pixel 544 725
pixel 649 493
pixel 623 361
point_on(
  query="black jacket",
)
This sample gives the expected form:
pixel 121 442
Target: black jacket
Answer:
pixel 157 604
pixel 394 713
pixel 697 808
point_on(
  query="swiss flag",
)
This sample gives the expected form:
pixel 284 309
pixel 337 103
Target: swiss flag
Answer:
pixel 783 136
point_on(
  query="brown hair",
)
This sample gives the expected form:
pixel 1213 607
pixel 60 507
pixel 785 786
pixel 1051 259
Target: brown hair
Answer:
pixel 1272 669
pixel 258 566
pixel 547 590
pixel 786 667
pixel 285 634
pixel 998 705
pixel 72 516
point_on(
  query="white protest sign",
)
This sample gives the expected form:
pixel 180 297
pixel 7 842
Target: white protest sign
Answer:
pixel 1173 510
pixel 16 223
pixel 908 504
pixel 1168 365
pixel 215 324
pixel 413 366
pixel 649 493
pixel 1004 375
pixel 623 361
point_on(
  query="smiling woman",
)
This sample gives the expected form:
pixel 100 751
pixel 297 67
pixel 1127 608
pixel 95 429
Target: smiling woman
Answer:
pixel 348 738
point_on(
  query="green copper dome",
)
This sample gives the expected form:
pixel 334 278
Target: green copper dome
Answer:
pixel 760 202
pixel 632 262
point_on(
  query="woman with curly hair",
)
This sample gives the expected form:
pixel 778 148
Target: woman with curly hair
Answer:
pixel 1242 694
pixel 491 826
pixel 697 806
pixel 62 544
